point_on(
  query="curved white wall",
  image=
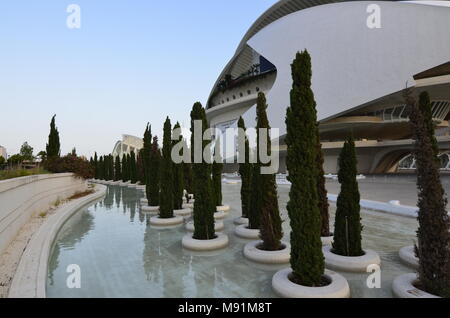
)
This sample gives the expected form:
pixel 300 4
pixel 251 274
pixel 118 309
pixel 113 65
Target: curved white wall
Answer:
pixel 20 198
pixel 352 64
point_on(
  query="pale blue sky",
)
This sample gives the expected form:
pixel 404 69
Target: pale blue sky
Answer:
pixel 131 62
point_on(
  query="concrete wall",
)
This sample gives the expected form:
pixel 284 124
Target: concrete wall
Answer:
pixel 20 198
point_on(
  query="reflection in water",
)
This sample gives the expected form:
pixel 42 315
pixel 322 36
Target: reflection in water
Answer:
pixel 121 257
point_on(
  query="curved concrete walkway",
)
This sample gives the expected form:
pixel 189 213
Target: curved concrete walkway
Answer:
pixel 31 275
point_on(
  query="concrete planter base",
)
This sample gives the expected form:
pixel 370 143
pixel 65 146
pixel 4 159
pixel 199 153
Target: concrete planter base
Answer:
pixel 188 205
pixel 240 221
pixel 144 201
pixel 183 212
pixel 150 209
pixel 244 232
pixel 132 185
pixel 223 208
pixel 403 287
pixel 220 215
pixel 252 252
pixel 338 288
pixel 327 240
pixel 218 226
pixel 358 264
pixel 140 187
pixel 157 221
pixel 408 257
pixel 221 241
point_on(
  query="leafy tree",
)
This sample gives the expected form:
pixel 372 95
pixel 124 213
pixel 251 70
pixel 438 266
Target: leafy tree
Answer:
pixel 74 152
pixel 270 220
pixel 217 168
pixel 204 208
pixel 347 228
pixel 166 194
pixel 15 159
pixel 245 171
pixel 153 177
pixel 53 145
pixel 42 155
pixel 133 169
pixel 178 177
pixel 26 151
pixel 433 246
pixel 118 169
pixel 307 259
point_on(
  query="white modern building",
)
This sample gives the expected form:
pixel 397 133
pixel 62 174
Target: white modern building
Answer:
pixel 127 145
pixel 364 53
pixel 3 152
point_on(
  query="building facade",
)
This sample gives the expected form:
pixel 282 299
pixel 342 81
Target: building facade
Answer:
pixel 127 145
pixel 364 54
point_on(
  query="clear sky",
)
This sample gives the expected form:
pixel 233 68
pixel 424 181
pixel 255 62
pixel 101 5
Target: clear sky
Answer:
pixel 132 62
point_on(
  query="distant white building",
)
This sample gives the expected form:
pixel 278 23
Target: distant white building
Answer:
pixel 3 152
pixel 127 145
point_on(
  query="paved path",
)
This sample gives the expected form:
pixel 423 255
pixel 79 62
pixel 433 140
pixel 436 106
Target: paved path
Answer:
pixel 385 189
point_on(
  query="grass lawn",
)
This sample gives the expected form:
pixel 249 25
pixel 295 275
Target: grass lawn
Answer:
pixel 16 173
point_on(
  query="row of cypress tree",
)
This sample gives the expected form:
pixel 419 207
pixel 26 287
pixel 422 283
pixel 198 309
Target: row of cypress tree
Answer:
pixel 113 169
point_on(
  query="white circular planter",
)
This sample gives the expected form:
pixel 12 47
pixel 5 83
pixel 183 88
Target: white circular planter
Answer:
pixel 408 256
pixel 327 240
pixel 144 201
pixel 244 232
pixel 218 226
pixel 132 185
pixel 221 241
pixel 157 221
pixel 183 212
pixel 403 287
pixel 140 187
pixel 240 221
pixel 223 208
pixel 188 205
pixel 338 288
pixel 150 209
pixel 252 252
pixel 358 264
pixel 220 215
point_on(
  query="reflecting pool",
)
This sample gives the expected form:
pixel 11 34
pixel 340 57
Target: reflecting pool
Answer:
pixel 121 255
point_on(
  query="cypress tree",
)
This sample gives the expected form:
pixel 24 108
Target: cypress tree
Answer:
pixel 118 170
pixel 204 205
pixel 217 168
pixel 270 220
pixel 178 178
pixel 124 168
pixel 254 211
pixel 140 167
pixel 322 190
pixel 96 166
pixel 129 167
pixel 187 173
pixel 347 228
pixel 166 194
pixel 111 167
pixel 433 246
pixel 153 177
pixel 53 146
pixel 245 171
pixel 101 166
pixel 307 259
pixel 146 150
pixel 133 170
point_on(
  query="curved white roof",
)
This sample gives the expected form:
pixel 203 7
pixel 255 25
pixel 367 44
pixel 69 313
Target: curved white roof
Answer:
pixel 282 8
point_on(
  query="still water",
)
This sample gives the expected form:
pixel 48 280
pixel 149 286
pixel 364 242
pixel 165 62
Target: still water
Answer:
pixel 121 255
